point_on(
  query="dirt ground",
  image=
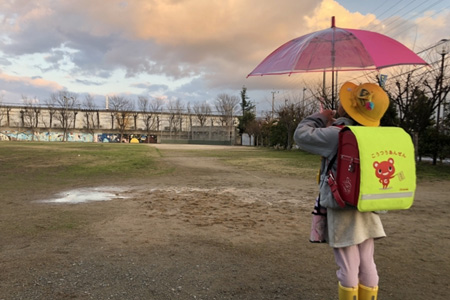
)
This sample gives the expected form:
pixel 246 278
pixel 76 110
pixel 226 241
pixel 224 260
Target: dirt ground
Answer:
pixel 210 231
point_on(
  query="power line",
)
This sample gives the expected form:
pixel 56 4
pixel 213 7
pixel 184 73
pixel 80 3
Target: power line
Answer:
pixel 405 21
pixel 399 17
pixel 380 6
pixel 390 8
pixel 423 20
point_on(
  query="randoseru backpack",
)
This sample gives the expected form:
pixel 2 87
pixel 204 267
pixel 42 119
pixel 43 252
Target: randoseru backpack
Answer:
pixel 375 169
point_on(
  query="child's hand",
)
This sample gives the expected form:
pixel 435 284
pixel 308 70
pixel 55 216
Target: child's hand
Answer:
pixel 329 115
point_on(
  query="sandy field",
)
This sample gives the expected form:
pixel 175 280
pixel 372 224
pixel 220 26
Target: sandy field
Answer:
pixel 209 231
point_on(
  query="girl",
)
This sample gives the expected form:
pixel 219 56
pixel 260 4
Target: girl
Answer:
pixel 351 233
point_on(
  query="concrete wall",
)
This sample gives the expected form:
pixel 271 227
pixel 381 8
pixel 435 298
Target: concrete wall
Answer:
pixel 42 124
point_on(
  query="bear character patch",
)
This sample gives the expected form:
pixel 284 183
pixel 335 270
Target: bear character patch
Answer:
pixel 384 171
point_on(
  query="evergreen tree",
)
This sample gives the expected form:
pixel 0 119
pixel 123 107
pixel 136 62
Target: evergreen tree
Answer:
pixel 248 114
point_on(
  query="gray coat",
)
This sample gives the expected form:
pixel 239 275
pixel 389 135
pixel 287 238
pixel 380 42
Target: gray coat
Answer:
pixel 346 227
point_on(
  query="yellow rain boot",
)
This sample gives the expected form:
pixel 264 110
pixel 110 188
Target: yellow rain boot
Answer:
pixel 346 293
pixel 367 293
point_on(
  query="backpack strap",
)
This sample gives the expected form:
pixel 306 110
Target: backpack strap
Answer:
pixel 318 208
pixel 330 164
pixel 333 183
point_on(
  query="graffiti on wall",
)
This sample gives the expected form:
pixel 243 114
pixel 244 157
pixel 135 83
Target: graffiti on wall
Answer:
pixel 28 135
pixel 126 138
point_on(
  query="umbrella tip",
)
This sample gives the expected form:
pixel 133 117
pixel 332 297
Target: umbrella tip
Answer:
pixel 333 22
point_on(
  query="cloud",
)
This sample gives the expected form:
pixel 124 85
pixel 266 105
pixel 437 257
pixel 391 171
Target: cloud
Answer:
pixel 148 87
pixel 212 44
pixel 431 30
pixel 156 37
pixel 88 82
pixel 26 86
pixel 321 17
pixel 5 61
pixel 37 82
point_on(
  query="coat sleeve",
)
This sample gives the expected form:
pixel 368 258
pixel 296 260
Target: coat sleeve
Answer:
pixel 311 135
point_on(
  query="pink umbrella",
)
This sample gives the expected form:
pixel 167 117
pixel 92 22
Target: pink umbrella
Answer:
pixel 337 49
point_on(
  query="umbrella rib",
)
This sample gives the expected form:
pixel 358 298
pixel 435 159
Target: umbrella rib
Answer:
pixel 304 45
pixel 351 36
pixel 313 41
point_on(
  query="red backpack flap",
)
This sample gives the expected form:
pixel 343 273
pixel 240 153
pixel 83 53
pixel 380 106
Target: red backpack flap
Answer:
pixel 348 167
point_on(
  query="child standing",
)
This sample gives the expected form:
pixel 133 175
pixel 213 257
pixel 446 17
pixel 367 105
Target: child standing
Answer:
pixel 351 233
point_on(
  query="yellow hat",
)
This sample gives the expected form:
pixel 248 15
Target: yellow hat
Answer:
pixel 365 103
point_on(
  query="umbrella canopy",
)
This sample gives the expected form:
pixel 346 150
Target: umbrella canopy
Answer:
pixel 337 49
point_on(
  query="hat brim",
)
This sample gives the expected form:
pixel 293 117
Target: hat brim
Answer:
pixel 348 102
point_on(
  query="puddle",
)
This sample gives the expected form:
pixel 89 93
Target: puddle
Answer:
pixel 87 195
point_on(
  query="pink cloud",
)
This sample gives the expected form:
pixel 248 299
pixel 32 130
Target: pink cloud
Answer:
pixel 36 82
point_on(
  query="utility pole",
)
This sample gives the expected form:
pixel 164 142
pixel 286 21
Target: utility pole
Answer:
pixel 303 98
pixel 323 85
pixel 442 51
pixel 273 102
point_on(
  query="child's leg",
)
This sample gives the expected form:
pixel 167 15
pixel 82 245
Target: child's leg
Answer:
pixel 348 261
pixel 368 274
pixel 356 265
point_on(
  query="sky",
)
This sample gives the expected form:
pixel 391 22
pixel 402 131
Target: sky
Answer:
pixel 186 50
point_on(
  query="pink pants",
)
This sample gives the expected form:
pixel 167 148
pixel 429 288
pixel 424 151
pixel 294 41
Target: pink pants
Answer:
pixel 356 265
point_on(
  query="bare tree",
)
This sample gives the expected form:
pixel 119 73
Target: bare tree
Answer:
pixel 402 90
pixel 135 118
pixel 66 104
pixel 189 112
pixel 437 86
pixel 226 107
pixel 254 129
pixel 175 109
pixel 51 106
pixel 91 114
pixel 202 111
pixel 156 106
pixel 289 116
pixel 30 115
pixel 260 128
pixel 149 108
pixel 122 110
pixel 4 112
pixel 321 94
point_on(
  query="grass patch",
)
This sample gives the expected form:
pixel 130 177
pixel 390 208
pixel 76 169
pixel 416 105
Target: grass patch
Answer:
pixel 291 163
pixel 33 165
pixel 61 221
pixel 298 162
pixel 24 165
pixel 426 171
